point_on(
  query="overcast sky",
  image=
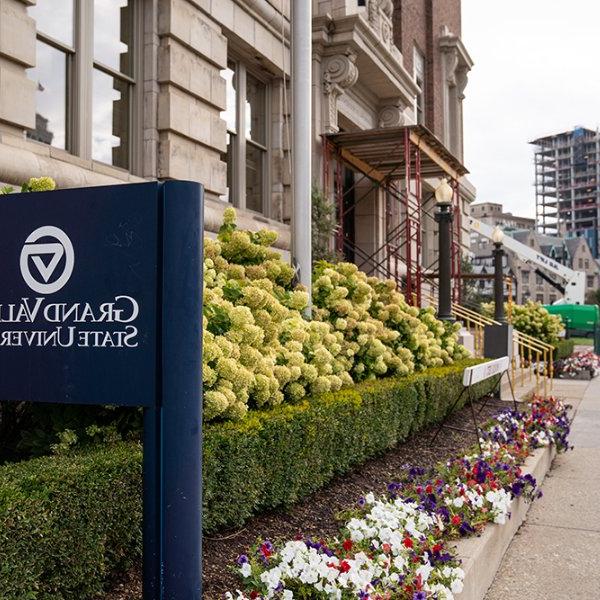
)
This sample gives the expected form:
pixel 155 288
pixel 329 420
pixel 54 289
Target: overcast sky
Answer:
pixel 537 72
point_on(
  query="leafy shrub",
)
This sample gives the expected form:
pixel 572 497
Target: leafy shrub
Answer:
pixel 260 351
pixel 532 319
pixel 34 184
pixel 67 521
pixel 324 226
pixel 564 348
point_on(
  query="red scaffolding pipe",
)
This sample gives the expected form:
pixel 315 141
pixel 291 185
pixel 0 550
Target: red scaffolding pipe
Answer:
pixel 392 159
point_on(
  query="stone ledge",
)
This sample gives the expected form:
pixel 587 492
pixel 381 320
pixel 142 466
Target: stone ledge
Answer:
pixel 481 556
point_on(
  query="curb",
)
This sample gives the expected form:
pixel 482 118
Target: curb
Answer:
pixel 482 555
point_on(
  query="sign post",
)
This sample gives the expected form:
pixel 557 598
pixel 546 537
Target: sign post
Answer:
pixel 101 303
pixel 472 375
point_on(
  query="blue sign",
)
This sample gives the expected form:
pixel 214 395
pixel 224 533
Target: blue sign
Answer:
pixel 79 274
pixel 101 303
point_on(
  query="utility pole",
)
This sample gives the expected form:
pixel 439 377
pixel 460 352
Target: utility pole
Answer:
pixel 302 140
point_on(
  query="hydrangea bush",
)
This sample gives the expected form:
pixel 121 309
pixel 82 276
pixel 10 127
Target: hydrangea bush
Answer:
pixel 260 350
pixel 383 334
pixel 532 319
pixel 397 545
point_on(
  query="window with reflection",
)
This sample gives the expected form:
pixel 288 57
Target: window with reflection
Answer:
pixel 247 133
pixel 229 115
pixel 419 76
pixel 256 151
pixel 68 94
pixel 55 53
pixel 112 81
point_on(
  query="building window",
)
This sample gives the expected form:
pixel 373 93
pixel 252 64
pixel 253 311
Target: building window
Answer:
pixel 246 116
pixel 419 76
pixel 525 276
pixel 55 57
pixel 591 281
pixel 580 263
pixel 539 298
pixel 113 81
pixel 86 72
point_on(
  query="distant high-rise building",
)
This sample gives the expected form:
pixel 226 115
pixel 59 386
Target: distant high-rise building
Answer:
pixel 567 184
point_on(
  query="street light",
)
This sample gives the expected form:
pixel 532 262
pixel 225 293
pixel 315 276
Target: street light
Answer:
pixel 498 252
pixel 443 193
pixel 497 235
pixel 444 216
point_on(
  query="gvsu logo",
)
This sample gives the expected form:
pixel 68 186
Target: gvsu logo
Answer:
pixel 47 265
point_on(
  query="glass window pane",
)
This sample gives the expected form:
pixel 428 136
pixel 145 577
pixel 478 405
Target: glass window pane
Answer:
pixel 55 19
pixel 256 121
pixel 229 159
pixel 229 115
pixel 254 178
pixel 110 120
pixel 113 34
pixel 50 74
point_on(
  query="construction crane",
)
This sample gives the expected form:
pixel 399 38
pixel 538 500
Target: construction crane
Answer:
pixel 573 289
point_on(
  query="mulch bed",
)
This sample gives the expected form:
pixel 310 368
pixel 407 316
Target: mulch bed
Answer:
pixel 314 515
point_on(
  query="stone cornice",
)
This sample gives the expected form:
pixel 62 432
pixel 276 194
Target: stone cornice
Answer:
pixel 449 42
pixel 379 69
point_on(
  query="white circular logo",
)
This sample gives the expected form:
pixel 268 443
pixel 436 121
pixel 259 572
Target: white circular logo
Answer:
pixel 46 256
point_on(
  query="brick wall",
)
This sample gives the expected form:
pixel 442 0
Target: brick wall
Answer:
pixel 419 23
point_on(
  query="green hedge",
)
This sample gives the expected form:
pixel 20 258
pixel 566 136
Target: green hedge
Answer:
pixel 277 456
pixel 67 521
pixel 564 348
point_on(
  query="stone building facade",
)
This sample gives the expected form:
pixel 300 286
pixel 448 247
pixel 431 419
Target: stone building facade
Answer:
pixel 111 91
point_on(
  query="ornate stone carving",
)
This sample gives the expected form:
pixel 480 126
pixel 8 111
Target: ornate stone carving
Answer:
pixel 456 61
pixel 379 15
pixel 461 78
pixel 392 115
pixel 456 64
pixel 339 73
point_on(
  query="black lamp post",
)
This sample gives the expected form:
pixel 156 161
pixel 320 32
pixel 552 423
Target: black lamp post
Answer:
pixel 498 252
pixel 444 217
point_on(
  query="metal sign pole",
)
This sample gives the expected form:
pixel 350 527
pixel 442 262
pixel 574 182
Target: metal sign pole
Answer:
pixel 173 431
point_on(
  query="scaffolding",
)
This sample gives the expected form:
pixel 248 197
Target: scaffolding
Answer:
pixel 394 161
pixel 567 184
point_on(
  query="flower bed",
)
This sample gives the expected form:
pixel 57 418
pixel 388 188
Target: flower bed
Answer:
pixel 580 365
pixel 397 546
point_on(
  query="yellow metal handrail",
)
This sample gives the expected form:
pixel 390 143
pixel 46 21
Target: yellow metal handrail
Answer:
pixel 530 350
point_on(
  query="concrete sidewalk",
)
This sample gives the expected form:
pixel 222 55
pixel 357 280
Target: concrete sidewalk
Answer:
pixel 556 553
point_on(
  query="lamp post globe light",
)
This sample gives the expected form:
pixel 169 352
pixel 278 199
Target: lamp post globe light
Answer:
pixel 444 217
pixel 498 253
